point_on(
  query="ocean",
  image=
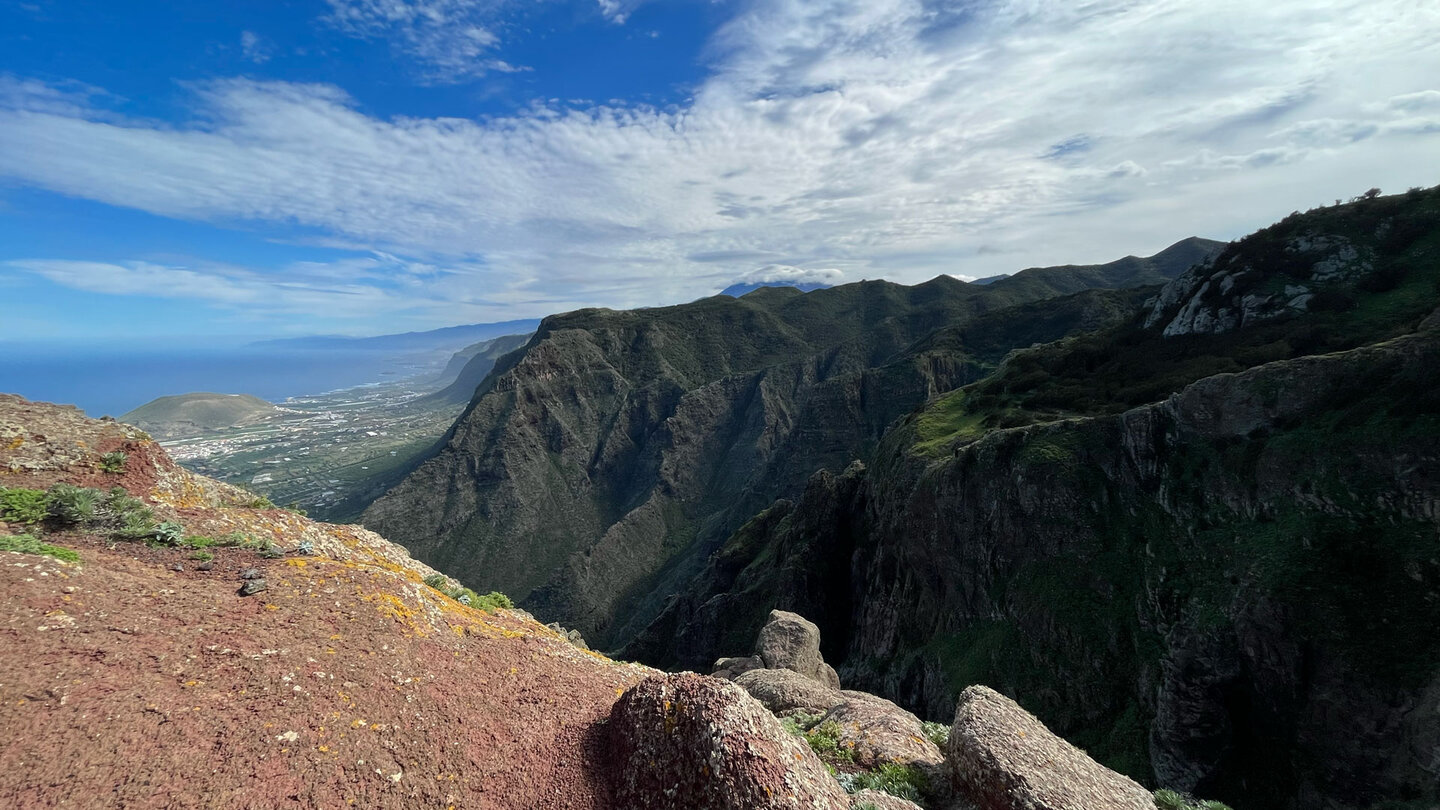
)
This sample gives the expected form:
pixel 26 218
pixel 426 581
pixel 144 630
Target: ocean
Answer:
pixel 113 382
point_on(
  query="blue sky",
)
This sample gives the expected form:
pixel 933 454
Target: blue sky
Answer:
pixel 369 166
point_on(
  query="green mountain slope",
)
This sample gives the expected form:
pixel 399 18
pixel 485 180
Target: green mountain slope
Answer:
pixel 1200 542
pixel 596 470
pixel 469 367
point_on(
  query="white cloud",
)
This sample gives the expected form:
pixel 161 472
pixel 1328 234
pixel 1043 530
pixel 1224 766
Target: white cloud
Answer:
pixel 619 11
pixel 452 40
pixel 797 275
pixel 1413 102
pixel 254 47
pixel 890 138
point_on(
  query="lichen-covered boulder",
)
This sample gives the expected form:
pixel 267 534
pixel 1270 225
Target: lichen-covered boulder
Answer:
pixel 697 743
pixel 877 731
pixel 1002 758
pixel 782 690
pixel 790 641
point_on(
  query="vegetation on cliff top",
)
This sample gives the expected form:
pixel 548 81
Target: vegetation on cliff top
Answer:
pixel 1392 284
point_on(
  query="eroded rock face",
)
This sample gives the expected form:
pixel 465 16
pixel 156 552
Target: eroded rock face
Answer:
pixel 790 641
pixel 877 731
pixel 1002 758
pixel 783 690
pixel 690 742
pixel 1230 293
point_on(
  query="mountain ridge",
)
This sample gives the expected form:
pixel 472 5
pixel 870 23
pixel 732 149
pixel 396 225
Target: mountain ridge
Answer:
pixel 655 429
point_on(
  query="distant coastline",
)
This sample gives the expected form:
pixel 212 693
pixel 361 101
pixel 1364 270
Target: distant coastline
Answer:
pixel 112 382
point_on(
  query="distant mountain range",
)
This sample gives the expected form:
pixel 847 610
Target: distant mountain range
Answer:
pixel 469 366
pixel 450 337
pixel 742 288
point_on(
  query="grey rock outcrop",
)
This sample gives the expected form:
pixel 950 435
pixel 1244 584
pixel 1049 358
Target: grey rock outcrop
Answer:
pixel 1002 758
pixel 687 742
pixel 732 668
pixel 1229 293
pixel 790 641
pixel 783 690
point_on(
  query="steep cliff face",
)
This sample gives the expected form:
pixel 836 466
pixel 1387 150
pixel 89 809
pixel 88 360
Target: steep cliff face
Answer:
pixel 1245 568
pixel 1227 589
pixel 596 470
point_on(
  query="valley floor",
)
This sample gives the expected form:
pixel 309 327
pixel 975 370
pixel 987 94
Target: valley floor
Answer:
pixel 325 451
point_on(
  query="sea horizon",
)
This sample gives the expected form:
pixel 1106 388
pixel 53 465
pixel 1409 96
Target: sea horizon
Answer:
pixel 112 382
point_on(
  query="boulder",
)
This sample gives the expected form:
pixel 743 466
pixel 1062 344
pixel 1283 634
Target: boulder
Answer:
pixel 1001 757
pixel 688 741
pixel 868 799
pixel 790 641
pixel 877 731
pixel 730 668
pixel 782 690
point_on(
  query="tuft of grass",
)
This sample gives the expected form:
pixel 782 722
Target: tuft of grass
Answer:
pixel 27 544
pixel 1166 799
pixel 824 740
pixel 23 506
pixel 114 462
pixel 71 504
pixel 202 556
pixel 799 722
pixel 904 781
pixel 127 517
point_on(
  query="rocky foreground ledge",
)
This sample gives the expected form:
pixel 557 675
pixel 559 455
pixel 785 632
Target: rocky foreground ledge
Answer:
pixel 151 670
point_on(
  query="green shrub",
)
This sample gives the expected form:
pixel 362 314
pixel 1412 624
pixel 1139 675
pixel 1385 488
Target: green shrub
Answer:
pixel 202 556
pixel 113 462
pixel 799 722
pixel 168 533
pixel 196 541
pixel 905 781
pixel 127 518
pixel 494 600
pixel 258 502
pixel 1166 799
pixel 938 733
pixel 71 504
pixel 24 506
pixel 824 740
pixel 27 544
pixel 489 603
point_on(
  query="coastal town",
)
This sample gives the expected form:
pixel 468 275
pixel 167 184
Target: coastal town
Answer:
pixel 321 452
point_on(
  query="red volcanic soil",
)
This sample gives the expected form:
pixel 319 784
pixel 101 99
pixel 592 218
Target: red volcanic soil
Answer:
pixel 124 683
pixel 346 683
